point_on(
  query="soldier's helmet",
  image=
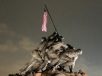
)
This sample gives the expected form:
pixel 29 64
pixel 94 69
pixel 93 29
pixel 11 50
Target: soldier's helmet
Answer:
pixel 59 38
pixel 55 33
pixel 79 51
pixel 53 36
pixel 69 46
pixel 43 39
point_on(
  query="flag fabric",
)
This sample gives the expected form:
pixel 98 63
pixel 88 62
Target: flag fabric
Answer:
pixel 44 25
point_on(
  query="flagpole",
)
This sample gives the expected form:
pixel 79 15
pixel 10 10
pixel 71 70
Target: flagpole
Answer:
pixel 51 19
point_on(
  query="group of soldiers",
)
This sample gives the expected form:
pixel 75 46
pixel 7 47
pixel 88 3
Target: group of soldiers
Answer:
pixel 52 52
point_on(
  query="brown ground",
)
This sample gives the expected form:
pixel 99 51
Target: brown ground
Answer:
pixel 60 73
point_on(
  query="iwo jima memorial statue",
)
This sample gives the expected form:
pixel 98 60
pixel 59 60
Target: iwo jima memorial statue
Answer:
pixel 51 56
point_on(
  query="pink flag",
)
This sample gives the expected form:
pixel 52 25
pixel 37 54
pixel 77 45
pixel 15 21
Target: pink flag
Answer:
pixel 44 28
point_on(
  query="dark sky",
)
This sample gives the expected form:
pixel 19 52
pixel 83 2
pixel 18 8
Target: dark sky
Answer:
pixel 78 21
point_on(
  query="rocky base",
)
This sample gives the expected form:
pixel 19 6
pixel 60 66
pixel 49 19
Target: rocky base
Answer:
pixel 61 73
pixel 54 73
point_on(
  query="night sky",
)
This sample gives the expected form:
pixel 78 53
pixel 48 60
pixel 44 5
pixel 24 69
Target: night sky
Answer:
pixel 78 21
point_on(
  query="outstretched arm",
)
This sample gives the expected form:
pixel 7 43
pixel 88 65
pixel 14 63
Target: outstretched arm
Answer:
pixel 73 53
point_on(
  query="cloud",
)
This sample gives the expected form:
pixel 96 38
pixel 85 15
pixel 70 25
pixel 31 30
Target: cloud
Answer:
pixel 12 41
pixel 23 43
pixel 27 44
pixel 12 44
pixel 4 29
pixel 14 68
pixel 8 46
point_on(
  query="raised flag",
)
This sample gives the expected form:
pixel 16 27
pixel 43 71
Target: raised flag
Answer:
pixel 44 25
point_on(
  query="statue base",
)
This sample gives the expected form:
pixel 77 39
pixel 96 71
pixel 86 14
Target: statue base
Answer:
pixel 54 73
